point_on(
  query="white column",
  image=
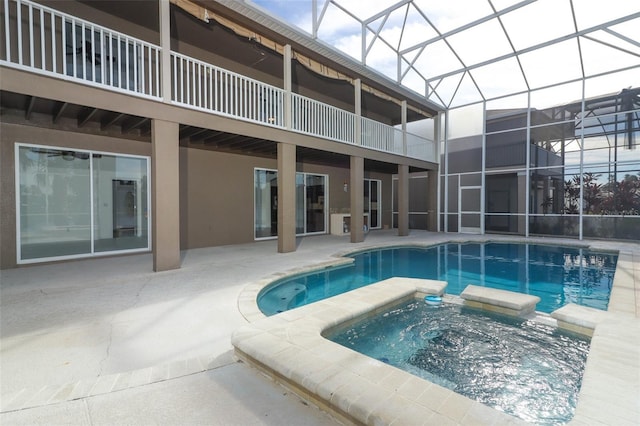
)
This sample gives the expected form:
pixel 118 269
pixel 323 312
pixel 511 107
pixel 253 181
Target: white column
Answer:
pixel 165 49
pixel 404 127
pixel 357 85
pixel 287 87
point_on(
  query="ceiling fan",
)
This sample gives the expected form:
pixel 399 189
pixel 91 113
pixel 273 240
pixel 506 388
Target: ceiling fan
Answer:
pixel 64 154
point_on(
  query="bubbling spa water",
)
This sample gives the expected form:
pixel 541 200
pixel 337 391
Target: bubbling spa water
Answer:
pixel 521 367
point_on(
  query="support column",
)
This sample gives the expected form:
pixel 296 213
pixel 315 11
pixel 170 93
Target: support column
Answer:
pixel 165 190
pixel 403 200
pixel 357 199
pixel 432 201
pixel 286 198
pixel 165 49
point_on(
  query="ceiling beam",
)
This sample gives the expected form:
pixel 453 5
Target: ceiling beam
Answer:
pixel 62 106
pixel 263 149
pixel 146 130
pixel 189 131
pixel 111 120
pixel 133 123
pixel 256 142
pixel 239 141
pixel 84 117
pixel 31 101
pixel 216 140
pixel 201 136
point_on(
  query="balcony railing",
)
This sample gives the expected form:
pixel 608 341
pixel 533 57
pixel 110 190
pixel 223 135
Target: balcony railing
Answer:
pixel 316 118
pixel 42 40
pixel 379 136
pixel 207 87
pixel 422 148
pixel 46 41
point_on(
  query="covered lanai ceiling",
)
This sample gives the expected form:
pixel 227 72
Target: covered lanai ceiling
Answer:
pixel 458 52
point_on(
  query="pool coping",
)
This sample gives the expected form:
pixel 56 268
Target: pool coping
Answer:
pixel 356 389
pixel 611 383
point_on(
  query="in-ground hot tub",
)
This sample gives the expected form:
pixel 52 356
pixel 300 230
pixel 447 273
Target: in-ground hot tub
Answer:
pixel 289 348
pixel 519 366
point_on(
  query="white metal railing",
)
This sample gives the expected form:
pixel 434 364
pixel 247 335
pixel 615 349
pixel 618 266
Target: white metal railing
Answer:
pixel 204 86
pixel 316 118
pixel 47 41
pixel 43 40
pixel 421 148
pixel 378 136
pixel 398 140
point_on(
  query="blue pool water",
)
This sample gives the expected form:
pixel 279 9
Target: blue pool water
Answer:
pixel 520 367
pixel 557 274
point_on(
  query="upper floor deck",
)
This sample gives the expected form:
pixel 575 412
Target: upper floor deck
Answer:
pixel 40 39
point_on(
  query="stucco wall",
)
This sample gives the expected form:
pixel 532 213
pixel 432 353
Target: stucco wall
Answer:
pixel 216 195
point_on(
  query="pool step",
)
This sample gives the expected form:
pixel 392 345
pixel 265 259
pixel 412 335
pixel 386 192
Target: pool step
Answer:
pixel 579 319
pixel 501 301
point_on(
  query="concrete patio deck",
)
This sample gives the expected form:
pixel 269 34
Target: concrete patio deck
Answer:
pixel 108 341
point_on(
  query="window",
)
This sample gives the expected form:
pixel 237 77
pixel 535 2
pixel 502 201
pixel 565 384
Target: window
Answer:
pixel 73 203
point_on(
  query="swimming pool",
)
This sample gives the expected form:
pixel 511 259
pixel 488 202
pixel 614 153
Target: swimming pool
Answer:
pixel 557 274
pixel 521 367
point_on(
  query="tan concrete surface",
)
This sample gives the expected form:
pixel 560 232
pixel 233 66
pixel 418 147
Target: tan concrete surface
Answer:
pixel 85 340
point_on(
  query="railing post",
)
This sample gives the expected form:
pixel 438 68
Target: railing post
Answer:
pixel 404 128
pixel 357 84
pixel 165 50
pixel 288 112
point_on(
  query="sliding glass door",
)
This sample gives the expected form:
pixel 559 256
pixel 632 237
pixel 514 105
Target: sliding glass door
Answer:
pixel 372 202
pixel 73 203
pixel 311 205
pixel 265 203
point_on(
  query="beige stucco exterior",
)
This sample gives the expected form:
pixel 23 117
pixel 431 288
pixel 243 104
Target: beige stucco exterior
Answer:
pixel 200 196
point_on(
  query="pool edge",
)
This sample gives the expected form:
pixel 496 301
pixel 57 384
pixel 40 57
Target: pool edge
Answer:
pixel 356 389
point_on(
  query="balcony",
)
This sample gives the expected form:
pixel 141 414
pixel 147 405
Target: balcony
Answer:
pixel 42 40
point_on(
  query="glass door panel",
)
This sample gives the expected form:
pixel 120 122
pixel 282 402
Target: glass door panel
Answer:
pixel 367 203
pixel 315 203
pixel 310 203
pixel 266 203
pixel 119 203
pixel 54 202
pixel 372 197
pixel 300 203
pixel 374 212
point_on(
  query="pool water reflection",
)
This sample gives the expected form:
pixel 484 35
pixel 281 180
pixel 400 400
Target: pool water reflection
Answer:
pixel 557 274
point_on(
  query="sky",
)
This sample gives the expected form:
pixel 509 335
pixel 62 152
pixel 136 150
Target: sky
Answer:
pixel 432 46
